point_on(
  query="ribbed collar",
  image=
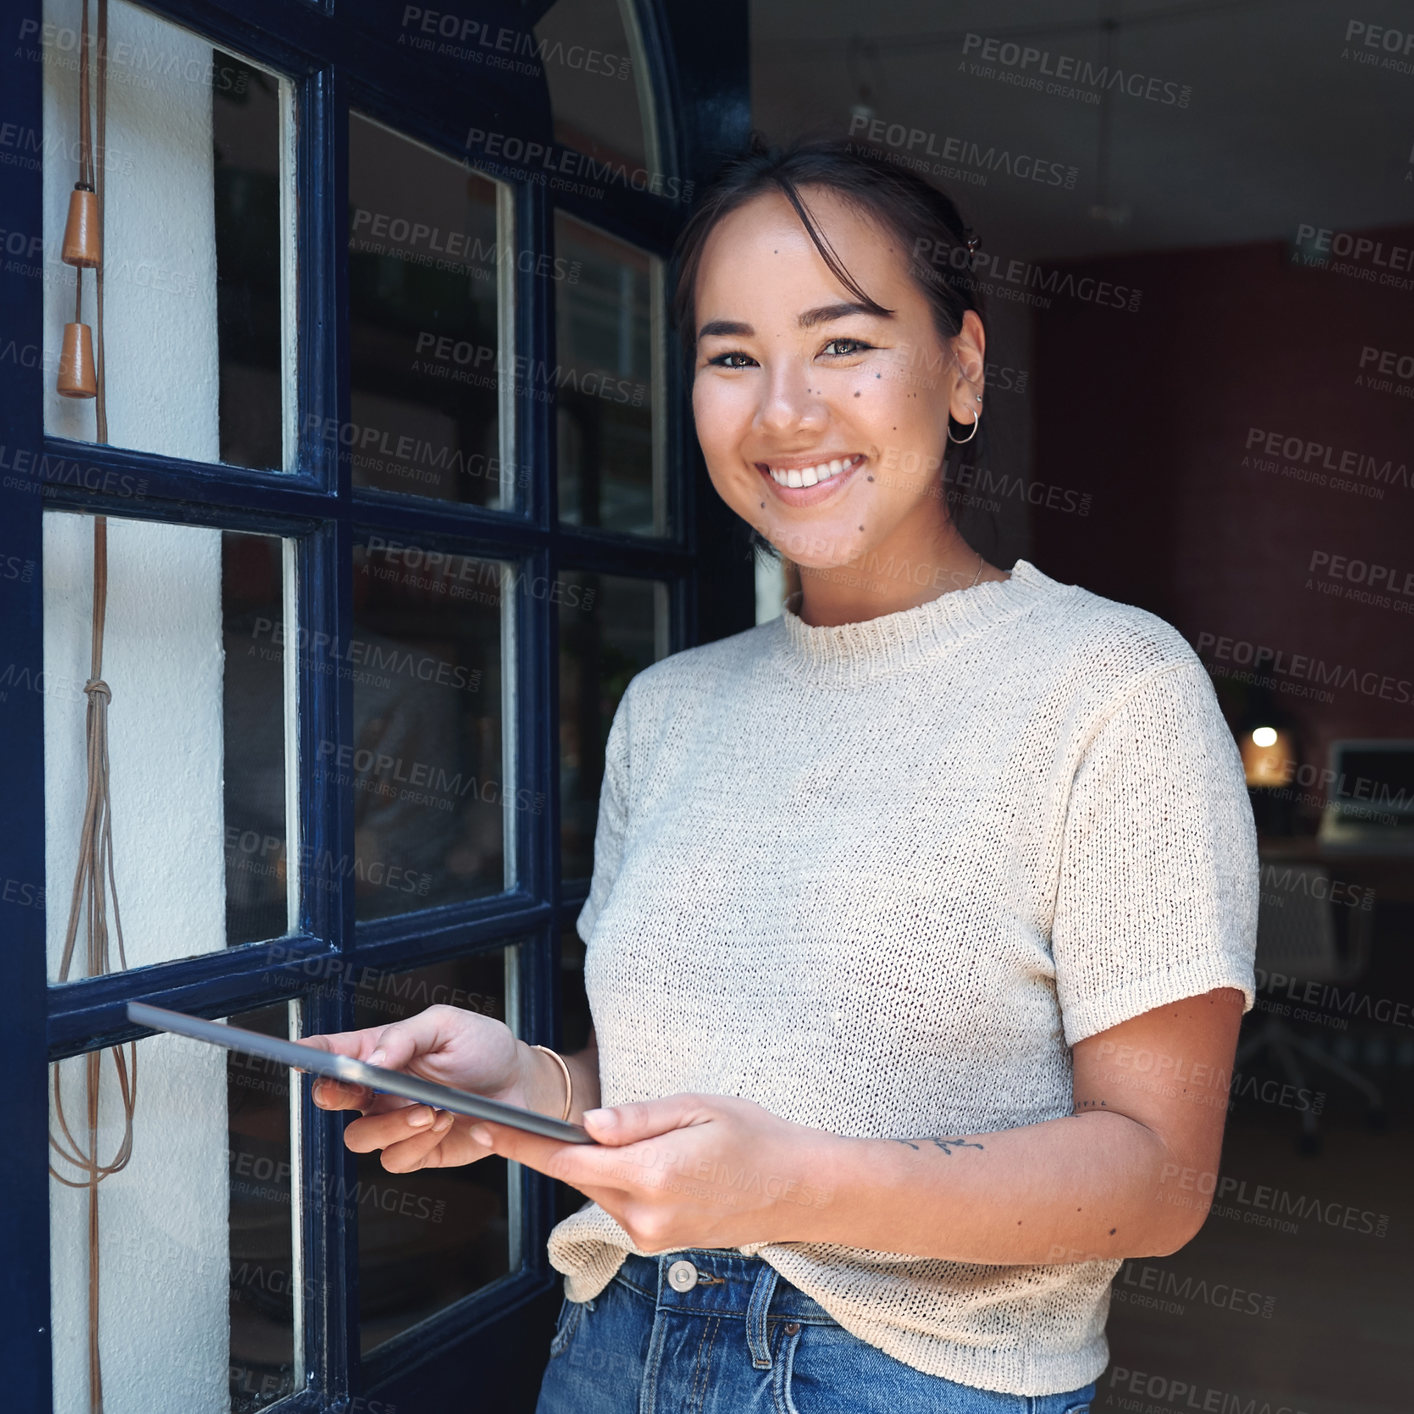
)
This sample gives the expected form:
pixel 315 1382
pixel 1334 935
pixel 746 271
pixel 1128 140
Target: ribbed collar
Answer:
pixel 868 648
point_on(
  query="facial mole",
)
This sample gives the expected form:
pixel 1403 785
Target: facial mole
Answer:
pixel 1113 1231
pixel 856 395
pixel 871 478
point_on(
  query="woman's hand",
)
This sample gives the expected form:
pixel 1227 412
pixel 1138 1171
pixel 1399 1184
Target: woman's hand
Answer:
pixel 686 1170
pixel 463 1049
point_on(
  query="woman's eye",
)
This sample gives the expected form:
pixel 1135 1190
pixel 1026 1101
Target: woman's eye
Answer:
pixel 726 360
pixel 844 348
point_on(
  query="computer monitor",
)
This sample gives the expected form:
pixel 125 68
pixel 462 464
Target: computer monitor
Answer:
pixel 1370 795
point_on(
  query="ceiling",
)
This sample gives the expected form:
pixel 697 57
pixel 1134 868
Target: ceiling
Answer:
pixel 1245 119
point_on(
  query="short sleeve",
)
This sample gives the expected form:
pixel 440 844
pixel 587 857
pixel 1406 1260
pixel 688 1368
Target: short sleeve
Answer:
pixel 613 816
pixel 1157 897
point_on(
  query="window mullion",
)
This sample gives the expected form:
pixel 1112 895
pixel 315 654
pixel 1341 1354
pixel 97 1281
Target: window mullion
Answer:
pixel 322 615
pixel 24 1236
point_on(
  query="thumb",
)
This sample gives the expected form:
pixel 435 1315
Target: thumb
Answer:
pixel 645 1119
pixel 394 1048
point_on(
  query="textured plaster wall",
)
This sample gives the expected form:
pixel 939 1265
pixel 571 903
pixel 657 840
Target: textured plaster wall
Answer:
pixel 165 1254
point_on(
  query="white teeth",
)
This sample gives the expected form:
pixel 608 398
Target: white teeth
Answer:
pixel 811 475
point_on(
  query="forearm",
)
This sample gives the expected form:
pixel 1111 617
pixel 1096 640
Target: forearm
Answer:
pixel 1071 1189
pixel 545 1082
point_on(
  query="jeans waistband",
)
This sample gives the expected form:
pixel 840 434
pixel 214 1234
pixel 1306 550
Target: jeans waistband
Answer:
pixel 723 1282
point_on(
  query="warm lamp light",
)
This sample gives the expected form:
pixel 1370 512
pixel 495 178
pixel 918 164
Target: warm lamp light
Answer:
pixel 1268 756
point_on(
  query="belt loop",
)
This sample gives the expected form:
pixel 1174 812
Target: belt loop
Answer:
pixel 761 1293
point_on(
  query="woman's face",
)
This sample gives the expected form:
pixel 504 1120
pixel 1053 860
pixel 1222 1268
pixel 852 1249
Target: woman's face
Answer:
pixel 794 381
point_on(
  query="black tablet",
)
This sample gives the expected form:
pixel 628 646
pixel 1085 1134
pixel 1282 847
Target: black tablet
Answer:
pixel 354 1072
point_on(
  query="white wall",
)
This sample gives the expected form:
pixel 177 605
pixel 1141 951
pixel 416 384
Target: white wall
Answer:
pixel 165 1263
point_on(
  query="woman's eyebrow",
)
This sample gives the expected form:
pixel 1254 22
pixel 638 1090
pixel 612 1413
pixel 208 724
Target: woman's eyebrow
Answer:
pixel 734 328
pixel 827 312
pixel 730 327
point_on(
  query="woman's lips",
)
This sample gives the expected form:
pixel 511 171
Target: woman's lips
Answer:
pixel 809 495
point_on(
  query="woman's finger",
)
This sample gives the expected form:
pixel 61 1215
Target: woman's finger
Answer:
pixel 378 1131
pixel 426 1149
pixel 334 1095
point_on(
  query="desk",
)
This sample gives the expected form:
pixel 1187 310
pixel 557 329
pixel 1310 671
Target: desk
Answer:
pixel 1389 875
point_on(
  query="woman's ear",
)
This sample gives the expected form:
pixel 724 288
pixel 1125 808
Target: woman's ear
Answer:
pixel 969 348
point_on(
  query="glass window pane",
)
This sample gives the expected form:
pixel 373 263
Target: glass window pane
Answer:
pixel 594 77
pixel 429 1238
pixel 196 1232
pixel 619 627
pixel 425 332
pixel 266 1291
pixel 257 721
pixel 199 353
pixel 197 730
pixel 431 794
pixel 610 463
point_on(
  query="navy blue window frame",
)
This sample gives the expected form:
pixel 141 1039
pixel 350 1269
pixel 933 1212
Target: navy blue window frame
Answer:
pixel 337 61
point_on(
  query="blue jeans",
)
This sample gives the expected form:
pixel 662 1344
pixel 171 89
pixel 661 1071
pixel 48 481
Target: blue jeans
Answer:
pixel 708 1331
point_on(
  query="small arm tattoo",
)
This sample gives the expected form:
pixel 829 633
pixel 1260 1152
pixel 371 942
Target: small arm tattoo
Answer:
pixel 946 1145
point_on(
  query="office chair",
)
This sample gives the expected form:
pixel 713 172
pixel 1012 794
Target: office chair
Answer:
pixel 1296 937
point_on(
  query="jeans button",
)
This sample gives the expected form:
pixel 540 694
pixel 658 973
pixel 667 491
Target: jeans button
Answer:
pixel 792 1327
pixel 682 1276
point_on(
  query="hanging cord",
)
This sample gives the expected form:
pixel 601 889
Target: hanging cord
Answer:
pixel 96 176
pixel 94 879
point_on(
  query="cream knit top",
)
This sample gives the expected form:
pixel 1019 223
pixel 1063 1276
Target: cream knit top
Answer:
pixel 879 877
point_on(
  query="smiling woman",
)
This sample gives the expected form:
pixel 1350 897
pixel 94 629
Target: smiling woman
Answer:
pixel 888 892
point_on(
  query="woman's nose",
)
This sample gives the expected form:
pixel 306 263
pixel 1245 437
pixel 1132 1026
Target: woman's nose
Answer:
pixel 789 400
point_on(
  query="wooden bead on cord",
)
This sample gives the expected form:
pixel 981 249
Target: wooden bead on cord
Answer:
pixel 78 376
pixel 81 229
